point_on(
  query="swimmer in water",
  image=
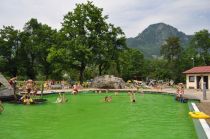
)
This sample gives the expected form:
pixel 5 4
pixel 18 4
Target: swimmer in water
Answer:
pixel 132 97
pixel 108 99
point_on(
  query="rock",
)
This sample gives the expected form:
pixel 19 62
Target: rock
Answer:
pixel 6 91
pixel 6 94
pixel 108 82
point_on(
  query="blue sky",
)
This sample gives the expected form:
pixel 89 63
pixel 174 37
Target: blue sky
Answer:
pixel 133 16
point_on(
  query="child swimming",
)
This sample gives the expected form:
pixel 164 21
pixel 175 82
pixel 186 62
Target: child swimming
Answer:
pixel 61 99
pixel 108 99
pixel 132 96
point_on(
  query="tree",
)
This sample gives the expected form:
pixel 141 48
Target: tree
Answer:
pixel 30 47
pixel 9 46
pixel 132 62
pixel 171 49
pixel 47 39
pixel 78 29
pixel 118 45
pixel 158 69
pixel 108 54
pixel 36 41
pixel 201 41
pixel 88 39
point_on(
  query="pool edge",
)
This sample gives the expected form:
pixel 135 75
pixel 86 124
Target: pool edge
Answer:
pixel 201 126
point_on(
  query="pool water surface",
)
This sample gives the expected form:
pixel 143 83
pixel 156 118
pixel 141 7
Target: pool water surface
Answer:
pixel 87 116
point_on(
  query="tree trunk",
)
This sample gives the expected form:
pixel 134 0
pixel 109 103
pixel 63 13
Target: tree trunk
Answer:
pixel 46 77
pixel 118 67
pixel 14 71
pixel 82 69
pixel 31 72
pixel 47 73
pixel 100 69
pixel 47 69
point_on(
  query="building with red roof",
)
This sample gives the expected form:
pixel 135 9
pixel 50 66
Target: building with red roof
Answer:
pixel 196 77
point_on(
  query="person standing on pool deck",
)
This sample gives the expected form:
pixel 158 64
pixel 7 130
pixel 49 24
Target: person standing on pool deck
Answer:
pixel 12 81
pixel 29 86
pixel 181 88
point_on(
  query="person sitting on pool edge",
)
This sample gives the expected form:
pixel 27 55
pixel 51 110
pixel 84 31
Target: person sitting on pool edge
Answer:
pixel 29 86
pixel 181 99
pixel 108 99
pixel 179 96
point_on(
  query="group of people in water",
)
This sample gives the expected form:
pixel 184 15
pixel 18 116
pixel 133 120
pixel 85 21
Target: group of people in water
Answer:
pixel 130 93
pixel 62 99
pixel 26 99
pixel 31 89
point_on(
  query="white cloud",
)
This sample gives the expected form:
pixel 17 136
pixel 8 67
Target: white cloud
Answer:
pixel 133 16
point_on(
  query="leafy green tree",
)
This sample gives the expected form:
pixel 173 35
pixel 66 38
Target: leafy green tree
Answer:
pixel 36 41
pixel 118 45
pixel 30 47
pixel 88 40
pixel 201 41
pixel 158 69
pixel 9 46
pixel 61 63
pixel 2 63
pixel 108 55
pixel 78 29
pixel 171 49
pixel 47 39
pixel 132 61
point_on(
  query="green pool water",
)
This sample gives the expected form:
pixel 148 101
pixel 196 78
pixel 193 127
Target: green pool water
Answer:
pixel 86 116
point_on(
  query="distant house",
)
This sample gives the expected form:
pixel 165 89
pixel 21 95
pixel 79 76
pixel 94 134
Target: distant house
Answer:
pixel 196 76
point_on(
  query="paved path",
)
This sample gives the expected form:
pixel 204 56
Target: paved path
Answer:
pixel 192 94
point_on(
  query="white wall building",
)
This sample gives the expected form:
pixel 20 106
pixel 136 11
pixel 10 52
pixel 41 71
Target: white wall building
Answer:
pixel 196 76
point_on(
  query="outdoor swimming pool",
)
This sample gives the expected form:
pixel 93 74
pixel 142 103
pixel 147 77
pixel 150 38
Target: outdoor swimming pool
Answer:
pixel 86 116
